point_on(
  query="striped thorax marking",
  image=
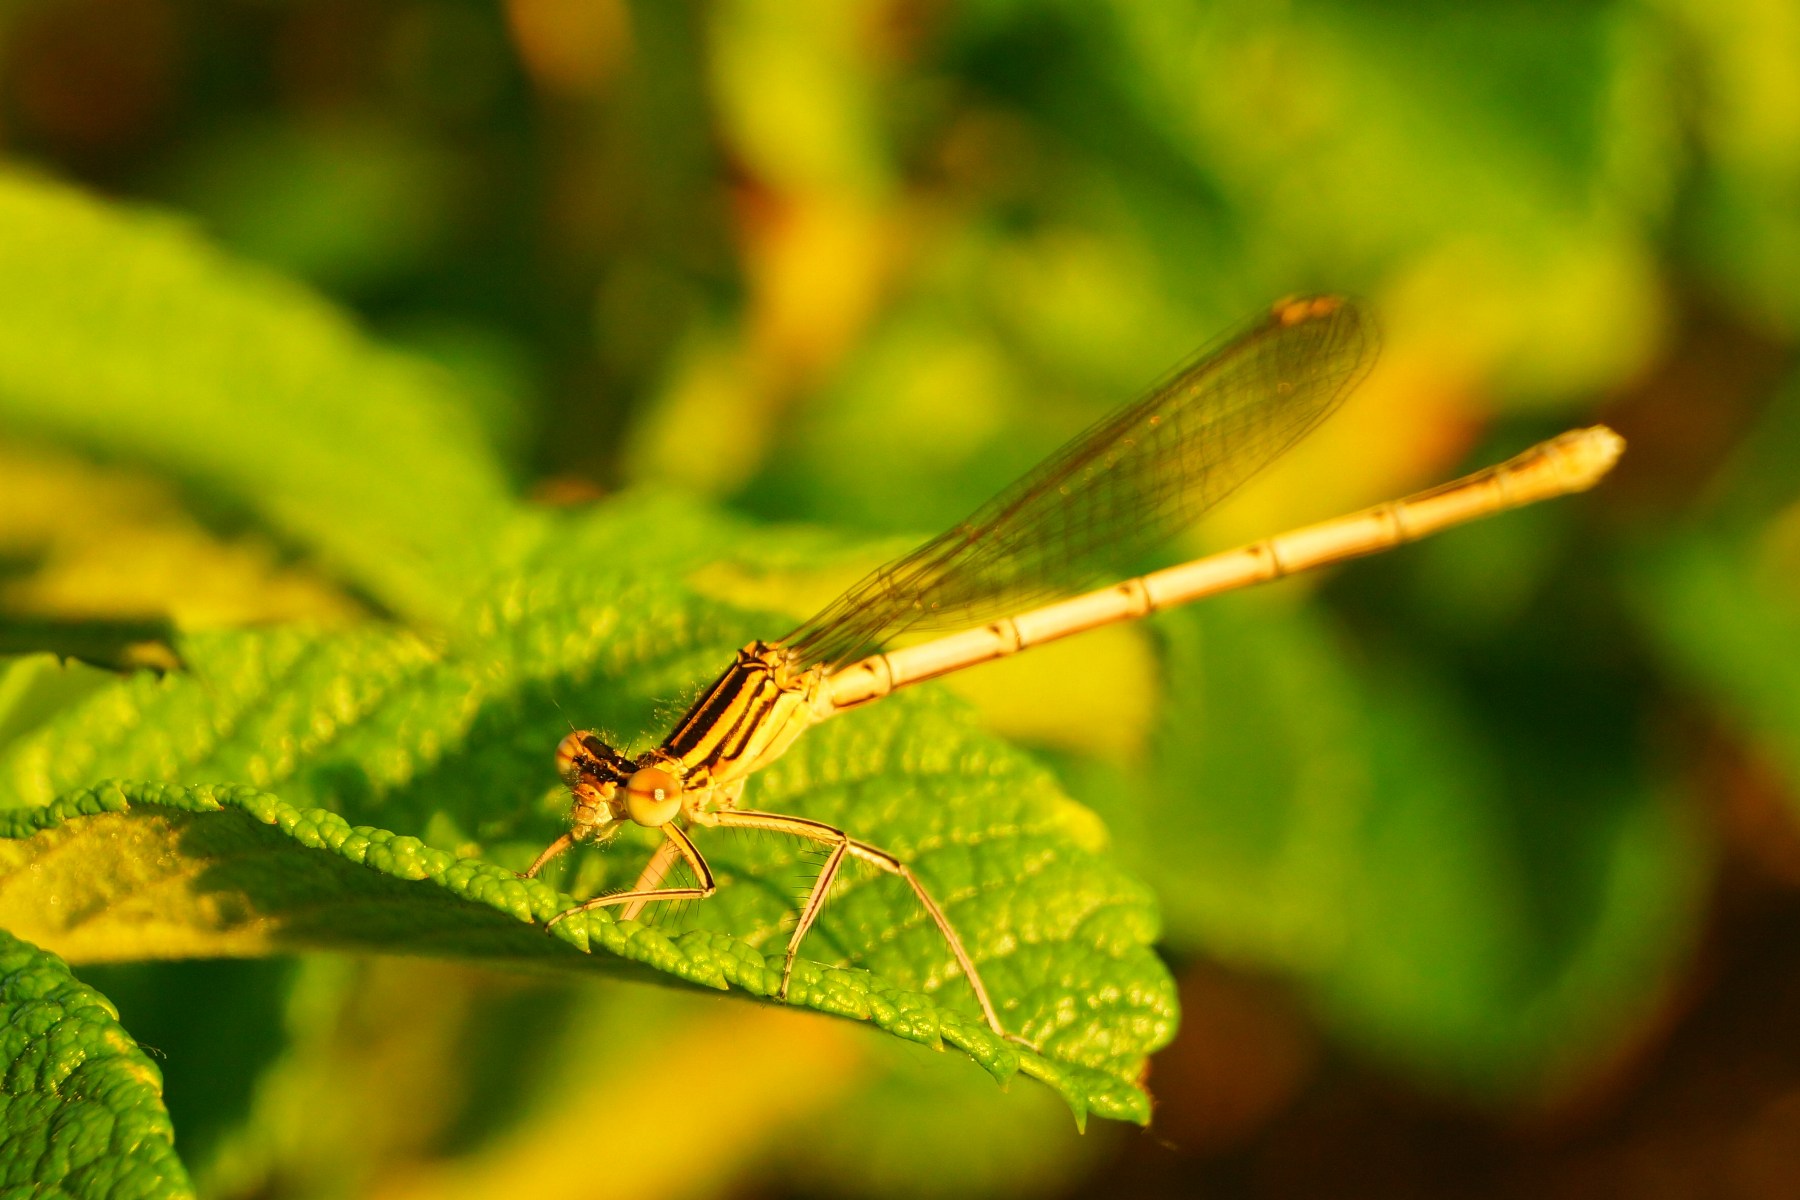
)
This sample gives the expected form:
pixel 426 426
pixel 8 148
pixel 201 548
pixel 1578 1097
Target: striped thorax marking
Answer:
pixel 1134 478
pixel 746 720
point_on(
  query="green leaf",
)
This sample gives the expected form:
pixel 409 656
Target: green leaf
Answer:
pixel 1719 596
pixel 1727 624
pixel 127 336
pixel 1482 908
pixel 1496 143
pixel 983 1144
pixel 81 1111
pixel 33 686
pixel 357 773
pixel 208 870
pixel 1744 231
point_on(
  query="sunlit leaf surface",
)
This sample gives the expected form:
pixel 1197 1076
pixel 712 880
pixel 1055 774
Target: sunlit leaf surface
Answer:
pixel 128 336
pixel 81 1111
pixel 353 768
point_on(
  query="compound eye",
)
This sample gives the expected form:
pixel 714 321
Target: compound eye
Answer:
pixel 652 796
pixel 571 751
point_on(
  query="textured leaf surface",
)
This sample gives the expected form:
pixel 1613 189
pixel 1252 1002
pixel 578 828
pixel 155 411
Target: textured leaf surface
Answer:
pixel 127 336
pixel 81 1111
pixel 367 767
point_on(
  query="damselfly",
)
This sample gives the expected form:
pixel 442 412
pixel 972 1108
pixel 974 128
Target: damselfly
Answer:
pixel 1123 486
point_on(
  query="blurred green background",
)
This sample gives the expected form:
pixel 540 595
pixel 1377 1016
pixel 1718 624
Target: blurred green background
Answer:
pixel 1479 861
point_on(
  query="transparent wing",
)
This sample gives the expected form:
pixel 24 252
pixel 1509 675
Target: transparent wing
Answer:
pixel 1122 487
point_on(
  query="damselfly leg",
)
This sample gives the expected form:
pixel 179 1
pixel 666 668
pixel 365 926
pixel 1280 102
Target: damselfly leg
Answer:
pixel 683 848
pixel 842 846
pixel 1011 577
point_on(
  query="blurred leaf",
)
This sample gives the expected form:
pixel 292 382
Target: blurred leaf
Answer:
pixel 984 1144
pixel 368 1097
pixel 1475 151
pixel 343 203
pixel 395 734
pixel 1720 596
pixel 795 94
pixel 742 1077
pixel 938 396
pixel 35 686
pixel 491 370
pixel 376 1061
pixel 1109 716
pixel 81 1114
pixel 976 372
pixel 124 335
pixel 97 545
pixel 1353 828
pixel 216 1027
pixel 1733 632
pixel 876 259
pixel 1747 233
pixel 1513 924
pixel 1247 826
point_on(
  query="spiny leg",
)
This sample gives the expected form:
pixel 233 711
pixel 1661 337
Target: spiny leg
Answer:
pixel 551 851
pixel 664 859
pixel 843 845
pixel 683 846
pixel 651 877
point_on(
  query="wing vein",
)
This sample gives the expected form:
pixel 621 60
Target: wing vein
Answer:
pixel 1125 485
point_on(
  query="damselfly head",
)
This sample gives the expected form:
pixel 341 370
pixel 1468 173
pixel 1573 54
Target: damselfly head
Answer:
pixel 594 773
pixel 584 752
pixel 574 752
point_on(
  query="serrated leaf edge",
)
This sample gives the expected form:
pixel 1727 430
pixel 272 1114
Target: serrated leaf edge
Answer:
pixel 699 958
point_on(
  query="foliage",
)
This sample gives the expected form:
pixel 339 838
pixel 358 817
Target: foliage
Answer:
pixel 438 734
pixel 438 376
pixel 83 1105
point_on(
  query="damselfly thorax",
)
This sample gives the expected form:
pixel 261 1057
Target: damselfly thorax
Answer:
pixel 748 717
pixel 1010 577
